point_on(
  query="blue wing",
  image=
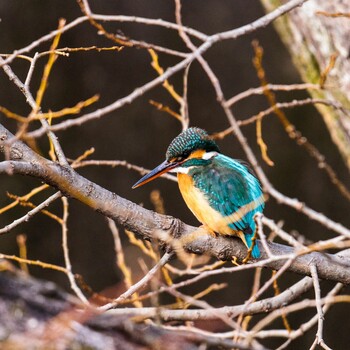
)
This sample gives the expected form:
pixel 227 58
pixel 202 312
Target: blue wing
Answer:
pixel 233 191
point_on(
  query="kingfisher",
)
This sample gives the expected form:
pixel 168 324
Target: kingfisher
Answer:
pixel 220 191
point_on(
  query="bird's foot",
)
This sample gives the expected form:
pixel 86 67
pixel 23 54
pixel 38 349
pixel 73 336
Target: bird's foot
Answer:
pixel 249 255
pixel 234 261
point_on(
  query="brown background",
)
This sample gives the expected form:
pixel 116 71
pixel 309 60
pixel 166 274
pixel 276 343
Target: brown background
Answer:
pixel 140 134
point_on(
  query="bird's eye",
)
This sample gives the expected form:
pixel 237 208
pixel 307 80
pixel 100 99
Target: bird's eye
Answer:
pixel 185 155
pixel 181 158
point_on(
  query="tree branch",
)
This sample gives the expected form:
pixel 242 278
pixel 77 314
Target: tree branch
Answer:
pixel 207 44
pixel 261 306
pixel 150 225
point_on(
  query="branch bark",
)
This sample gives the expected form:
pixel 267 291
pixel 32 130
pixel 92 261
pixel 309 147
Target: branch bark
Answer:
pixel 150 225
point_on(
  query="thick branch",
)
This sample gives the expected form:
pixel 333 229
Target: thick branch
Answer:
pixel 150 225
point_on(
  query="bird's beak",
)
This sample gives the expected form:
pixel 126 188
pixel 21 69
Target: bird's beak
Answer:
pixel 156 172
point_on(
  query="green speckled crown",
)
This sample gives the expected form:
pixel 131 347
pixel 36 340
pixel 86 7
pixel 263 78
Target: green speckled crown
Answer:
pixel 188 141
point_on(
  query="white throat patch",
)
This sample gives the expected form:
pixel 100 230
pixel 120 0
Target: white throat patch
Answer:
pixel 209 155
pixel 182 170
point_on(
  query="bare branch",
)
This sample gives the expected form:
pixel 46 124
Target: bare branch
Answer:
pixel 140 284
pixel 68 264
pixel 210 41
pixel 201 256
pixel 31 213
pixel 29 98
pixel 150 225
pixel 319 335
pixel 257 307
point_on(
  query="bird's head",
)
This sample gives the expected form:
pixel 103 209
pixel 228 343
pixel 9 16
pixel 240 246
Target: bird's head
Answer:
pixel 193 147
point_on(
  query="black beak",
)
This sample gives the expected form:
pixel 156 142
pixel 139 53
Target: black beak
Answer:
pixel 156 172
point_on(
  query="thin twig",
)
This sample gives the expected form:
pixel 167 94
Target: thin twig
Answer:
pixel 31 70
pixel 293 104
pixel 319 335
pixel 31 213
pixel 29 98
pixel 273 87
pixel 120 259
pixel 34 262
pixel 123 163
pixel 259 224
pixel 140 91
pixel 68 264
pixel 305 326
pixel 140 284
pixel 205 306
pixel 185 120
pixel 281 233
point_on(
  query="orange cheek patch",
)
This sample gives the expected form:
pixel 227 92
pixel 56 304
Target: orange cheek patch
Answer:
pixel 197 154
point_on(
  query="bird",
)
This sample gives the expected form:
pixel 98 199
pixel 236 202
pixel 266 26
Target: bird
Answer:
pixel 222 193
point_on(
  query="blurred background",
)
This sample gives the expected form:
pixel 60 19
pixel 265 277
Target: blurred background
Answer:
pixel 140 134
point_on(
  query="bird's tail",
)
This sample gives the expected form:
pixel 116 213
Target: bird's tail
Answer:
pixel 248 235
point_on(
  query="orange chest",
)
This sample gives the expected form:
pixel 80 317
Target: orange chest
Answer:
pixel 199 205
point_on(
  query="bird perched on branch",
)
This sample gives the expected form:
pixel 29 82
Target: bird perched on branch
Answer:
pixel 220 191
